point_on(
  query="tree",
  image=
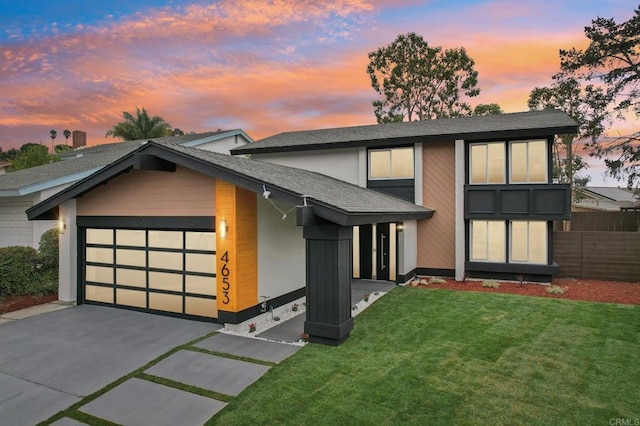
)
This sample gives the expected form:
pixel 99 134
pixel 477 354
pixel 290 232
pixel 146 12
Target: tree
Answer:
pixel 419 82
pixel 487 109
pixel 140 127
pixel 67 135
pixel 586 105
pixel 53 134
pixel 34 155
pixel 612 59
pixel 62 148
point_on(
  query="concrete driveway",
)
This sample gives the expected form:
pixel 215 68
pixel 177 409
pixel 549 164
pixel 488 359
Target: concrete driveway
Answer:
pixel 50 361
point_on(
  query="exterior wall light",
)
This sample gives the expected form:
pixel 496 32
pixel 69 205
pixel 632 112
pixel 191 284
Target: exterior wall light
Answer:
pixel 223 229
pixel 61 226
pixel 400 226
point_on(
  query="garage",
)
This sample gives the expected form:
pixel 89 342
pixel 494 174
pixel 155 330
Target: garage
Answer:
pixel 166 271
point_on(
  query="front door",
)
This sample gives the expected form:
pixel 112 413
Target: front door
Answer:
pixel 383 242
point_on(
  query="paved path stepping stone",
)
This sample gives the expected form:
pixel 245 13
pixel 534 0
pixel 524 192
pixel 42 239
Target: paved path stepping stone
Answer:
pixel 139 402
pixel 248 347
pixel 218 374
pixel 288 331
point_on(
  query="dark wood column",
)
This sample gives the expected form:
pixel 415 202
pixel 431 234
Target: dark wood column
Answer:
pixel 329 271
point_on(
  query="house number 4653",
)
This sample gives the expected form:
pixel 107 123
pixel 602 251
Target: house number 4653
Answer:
pixel 225 278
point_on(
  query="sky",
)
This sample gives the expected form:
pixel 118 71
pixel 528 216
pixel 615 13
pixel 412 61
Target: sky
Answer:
pixel 262 66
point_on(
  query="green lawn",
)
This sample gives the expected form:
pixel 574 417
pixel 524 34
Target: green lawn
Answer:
pixel 436 356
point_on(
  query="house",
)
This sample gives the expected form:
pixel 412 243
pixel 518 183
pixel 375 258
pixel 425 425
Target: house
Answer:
pixel 177 230
pixel 22 189
pixel 604 198
pixel 3 167
pixel 488 179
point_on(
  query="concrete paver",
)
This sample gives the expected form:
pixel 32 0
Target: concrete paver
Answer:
pixel 76 351
pixel 35 310
pixel 139 402
pixel 218 374
pixel 288 331
pixel 248 347
pixel 23 402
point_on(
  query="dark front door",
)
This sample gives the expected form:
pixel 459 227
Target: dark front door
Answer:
pixel 382 252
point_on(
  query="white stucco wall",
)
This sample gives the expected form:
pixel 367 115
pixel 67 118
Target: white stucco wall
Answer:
pixel 68 243
pixel 281 251
pixel 347 164
pixel 409 261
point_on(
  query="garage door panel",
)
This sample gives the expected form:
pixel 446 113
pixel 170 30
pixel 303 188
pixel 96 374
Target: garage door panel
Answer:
pixel 205 263
pixel 99 274
pixel 96 293
pixel 133 298
pixel 165 281
pixel 200 285
pixel 165 239
pixel 201 307
pixel 165 302
pixel 131 257
pixel 99 255
pixel 131 237
pixel 131 277
pixel 100 236
pixel 166 260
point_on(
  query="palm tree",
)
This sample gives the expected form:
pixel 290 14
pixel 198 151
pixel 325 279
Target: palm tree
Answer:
pixel 66 134
pixel 53 135
pixel 140 127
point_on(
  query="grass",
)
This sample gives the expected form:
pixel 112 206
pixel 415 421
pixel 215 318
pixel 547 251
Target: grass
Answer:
pixel 437 356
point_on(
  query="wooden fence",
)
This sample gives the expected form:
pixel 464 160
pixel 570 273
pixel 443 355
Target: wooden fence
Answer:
pixel 598 255
pixel 603 221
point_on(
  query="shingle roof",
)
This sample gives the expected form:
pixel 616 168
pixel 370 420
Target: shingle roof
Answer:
pixel 612 193
pixel 78 162
pixel 330 198
pixel 315 186
pixel 476 127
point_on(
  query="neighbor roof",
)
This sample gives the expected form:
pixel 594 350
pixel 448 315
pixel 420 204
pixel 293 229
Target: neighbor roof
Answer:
pixel 82 162
pixel 332 199
pixel 522 124
pixel 611 193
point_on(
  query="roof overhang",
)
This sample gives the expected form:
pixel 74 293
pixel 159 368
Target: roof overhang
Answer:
pixel 154 154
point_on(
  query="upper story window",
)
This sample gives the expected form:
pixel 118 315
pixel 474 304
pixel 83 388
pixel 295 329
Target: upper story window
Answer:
pixel 528 160
pixel 392 163
pixel 487 164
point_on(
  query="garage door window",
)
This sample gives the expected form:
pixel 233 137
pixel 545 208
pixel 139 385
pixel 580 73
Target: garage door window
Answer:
pixel 170 271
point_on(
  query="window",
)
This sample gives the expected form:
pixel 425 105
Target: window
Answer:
pixel 395 163
pixel 528 242
pixel 528 160
pixel 488 241
pixel 487 163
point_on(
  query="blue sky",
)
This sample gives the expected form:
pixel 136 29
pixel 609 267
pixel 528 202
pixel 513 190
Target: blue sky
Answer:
pixel 263 66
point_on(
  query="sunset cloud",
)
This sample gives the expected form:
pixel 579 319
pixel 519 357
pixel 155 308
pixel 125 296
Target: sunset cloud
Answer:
pixel 263 66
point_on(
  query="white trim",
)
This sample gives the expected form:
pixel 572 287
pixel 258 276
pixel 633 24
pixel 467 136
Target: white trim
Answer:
pixel 460 170
pixel 41 186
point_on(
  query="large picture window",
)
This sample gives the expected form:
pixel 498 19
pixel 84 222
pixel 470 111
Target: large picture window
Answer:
pixel 488 241
pixel 528 242
pixel 487 163
pixel 528 161
pixel 392 163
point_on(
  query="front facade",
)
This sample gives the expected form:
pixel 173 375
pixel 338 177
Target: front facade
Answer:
pixel 181 231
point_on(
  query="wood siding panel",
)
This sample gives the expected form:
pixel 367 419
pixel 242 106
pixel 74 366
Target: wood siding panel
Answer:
pixel 15 228
pixel 436 236
pixel 238 207
pixel 598 255
pixel 152 193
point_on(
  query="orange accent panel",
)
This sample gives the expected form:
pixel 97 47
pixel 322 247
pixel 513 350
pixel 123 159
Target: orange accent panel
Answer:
pixel 151 193
pixel 237 265
pixel 436 236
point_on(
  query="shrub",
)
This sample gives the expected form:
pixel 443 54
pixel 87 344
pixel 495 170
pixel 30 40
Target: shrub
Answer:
pixel 491 284
pixel 27 271
pixel 434 280
pixel 18 270
pixel 556 289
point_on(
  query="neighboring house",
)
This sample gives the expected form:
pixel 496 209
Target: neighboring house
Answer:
pixel 22 189
pixel 181 231
pixel 487 178
pixel 3 167
pixel 604 198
